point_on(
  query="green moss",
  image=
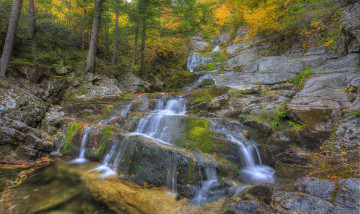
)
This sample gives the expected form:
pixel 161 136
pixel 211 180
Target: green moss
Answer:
pixel 70 131
pixel 211 66
pixel 205 95
pixel 103 138
pixel 127 97
pixel 152 95
pixel 198 135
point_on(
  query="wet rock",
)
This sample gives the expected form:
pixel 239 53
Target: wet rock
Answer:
pixel 351 20
pixel 316 187
pixel 132 84
pixel 257 124
pixel 218 103
pixel 291 202
pixel 252 200
pixel 347 196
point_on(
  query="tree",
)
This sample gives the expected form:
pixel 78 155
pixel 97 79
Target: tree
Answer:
pixel 116 2
pixel 90 62
pixel 32 27
pixel 10 36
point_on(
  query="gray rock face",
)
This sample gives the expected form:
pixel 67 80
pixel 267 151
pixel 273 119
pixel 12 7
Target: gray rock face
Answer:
pixel 351 20
pixel 102 89
pixel 257 124
pixel 220 39
pixel 320 97
pixel 133 84
pixel 316 187
pixel 30 73
pixel 279 65
pixel 347 196
pixel 196 46
pixel 347 64
pixel 21 105
pixel 27 142
pixel 291 202
pixel 54 118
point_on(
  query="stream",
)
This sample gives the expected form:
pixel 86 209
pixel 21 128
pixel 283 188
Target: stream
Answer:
pixel 150 144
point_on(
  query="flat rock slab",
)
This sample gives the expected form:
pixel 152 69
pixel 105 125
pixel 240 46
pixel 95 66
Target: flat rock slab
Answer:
pixel 317 187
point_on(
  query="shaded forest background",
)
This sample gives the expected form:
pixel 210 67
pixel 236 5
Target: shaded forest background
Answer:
pixel 148 37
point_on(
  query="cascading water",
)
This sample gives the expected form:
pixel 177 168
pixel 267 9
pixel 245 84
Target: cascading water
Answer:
pixel 250 172
pixel 211 181
pixel 216 48
pixel 81 158
pixel 158 127
pixel 194 61
pixel 161 126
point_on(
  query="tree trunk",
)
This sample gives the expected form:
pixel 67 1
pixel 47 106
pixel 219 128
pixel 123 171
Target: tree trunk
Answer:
pixel 106 29
pixel 133 61
pixel 90 62
pixel 113 61
pixel 10 36
pixel 143 38
pixel 83 30
pixel 32 28
pixel 234 19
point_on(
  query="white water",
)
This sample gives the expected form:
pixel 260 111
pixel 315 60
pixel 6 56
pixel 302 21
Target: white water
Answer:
pixel 250 172
pixel 194 61
pixel 211 181
pixel 81 158
pixel 216 48
pixel 157 127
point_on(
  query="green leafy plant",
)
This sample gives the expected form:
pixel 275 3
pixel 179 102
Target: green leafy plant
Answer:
pixel 301 78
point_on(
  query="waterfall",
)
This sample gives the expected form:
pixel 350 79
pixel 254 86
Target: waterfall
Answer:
pixel 250 172
pixel 81 158
pixel 216 48
pixel 159 125
pixel 211 181
pixel 171 177
pixel 194 61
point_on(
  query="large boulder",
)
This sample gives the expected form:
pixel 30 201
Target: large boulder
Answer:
pixel 347 196
pixel 293 202
pixel 132 84
pixel 20 104
pixel 54 118
pixel 317 187
pixel 351 20
pixel 196 46
pixel 22 141
pixel 321 97
pixel 220 39
pixel 94 89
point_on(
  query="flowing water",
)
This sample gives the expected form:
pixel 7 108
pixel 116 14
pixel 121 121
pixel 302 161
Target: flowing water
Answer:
pixel 153 152
pixel 162 126
pixel 194 61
